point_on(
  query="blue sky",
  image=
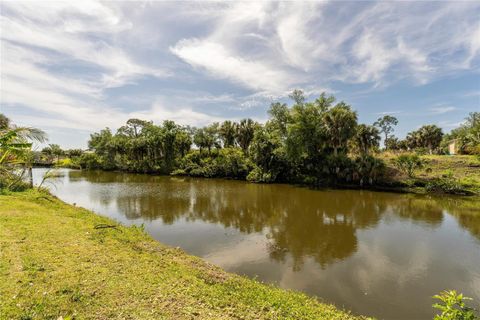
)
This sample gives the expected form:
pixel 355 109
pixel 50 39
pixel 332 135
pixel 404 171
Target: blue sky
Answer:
pixel 75 67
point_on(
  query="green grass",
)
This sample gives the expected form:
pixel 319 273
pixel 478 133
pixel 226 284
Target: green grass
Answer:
pixel 54 263
pixel 464 169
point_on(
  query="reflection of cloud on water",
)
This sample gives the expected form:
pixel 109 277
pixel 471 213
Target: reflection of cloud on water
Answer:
pixel 249 249
pixel 367 251
pixel 383 272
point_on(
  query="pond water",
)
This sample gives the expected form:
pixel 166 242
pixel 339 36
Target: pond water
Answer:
pixel 374 253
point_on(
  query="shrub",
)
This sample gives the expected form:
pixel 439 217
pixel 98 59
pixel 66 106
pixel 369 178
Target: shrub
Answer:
pixel 408 163
pixel 224 163
pixel 444 185
pixel 338 168
pixel 67 163
pixel 12 182
pixel 258 175
pixel 369 169
pixel 90 161
pixel 453 307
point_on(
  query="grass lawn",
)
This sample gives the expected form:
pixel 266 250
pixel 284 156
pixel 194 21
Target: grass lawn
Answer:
pixel 54 263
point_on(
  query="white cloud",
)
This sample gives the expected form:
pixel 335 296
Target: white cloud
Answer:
pixel 442 109
pixel 217 60
pixel 183 115
pixel 65 61
pixel 389 112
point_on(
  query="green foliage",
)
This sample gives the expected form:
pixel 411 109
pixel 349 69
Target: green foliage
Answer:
pixel 226 162
pixel 312 142
pixel 16 157
pixel 74 153
pixel 90 161
pixel 245 132
pixel 408 163
pixel 67 163
pixel 53 150
pixel 453 307
pixel 366 138
pixel 307 142
pixel 386 124
pixel 467 136
pixel 392 143
pixel 268 155
pixel 340 123
pixel 207 138
pixel 446 184
pixel 368 169
pixel 337 169
pixel 427 137
pixel 227 132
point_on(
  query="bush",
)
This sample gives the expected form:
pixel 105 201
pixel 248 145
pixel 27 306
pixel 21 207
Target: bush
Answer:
pixel 67 163
pixel 444 185
pixel 258 175
pixel 408 163
pixel 369 169
pixel 224 163
pixel 12 182
pixel 338 168
pixel 90 161
pixel 453 307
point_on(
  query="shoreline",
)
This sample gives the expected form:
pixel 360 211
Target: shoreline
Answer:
pixel 64 261
pixel 402 189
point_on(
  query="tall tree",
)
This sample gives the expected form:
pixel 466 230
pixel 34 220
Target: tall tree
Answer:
pixel 102 144
pixel 306 135
pixel 340 122
pixel 245 131
pixel 227 133
pixel 386 124
pixel 74 153
pixel 366 138
pixel 279 117
pixel 207 137
pixel 298 96
pixel 183 142
pixel 428 136
pixel 55 150
pixel 169 130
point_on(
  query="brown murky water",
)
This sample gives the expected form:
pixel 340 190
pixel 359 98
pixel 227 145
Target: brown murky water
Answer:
pixel 377 254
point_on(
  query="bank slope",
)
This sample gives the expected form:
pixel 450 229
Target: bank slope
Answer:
pixel 58 260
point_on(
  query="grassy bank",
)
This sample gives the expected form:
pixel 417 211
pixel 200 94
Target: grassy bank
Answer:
pixel 462 170
pixel 58 260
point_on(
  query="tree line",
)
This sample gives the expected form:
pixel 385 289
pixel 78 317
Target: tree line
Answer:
pixel 317 142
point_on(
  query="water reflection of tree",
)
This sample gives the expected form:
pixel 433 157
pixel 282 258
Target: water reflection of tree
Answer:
pixel 298 222
pixel 325 226
pixel 419 209
pixel 466 211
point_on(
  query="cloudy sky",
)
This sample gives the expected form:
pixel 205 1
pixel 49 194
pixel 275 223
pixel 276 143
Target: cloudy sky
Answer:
pixel 75 67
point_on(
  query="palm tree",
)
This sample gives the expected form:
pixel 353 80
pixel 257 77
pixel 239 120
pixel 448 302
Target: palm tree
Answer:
pixel 15 141
pixel 430 137
pixel 245 132
pixel 340 122
pixel 366 138
pixel 15 151
pixel 227 133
